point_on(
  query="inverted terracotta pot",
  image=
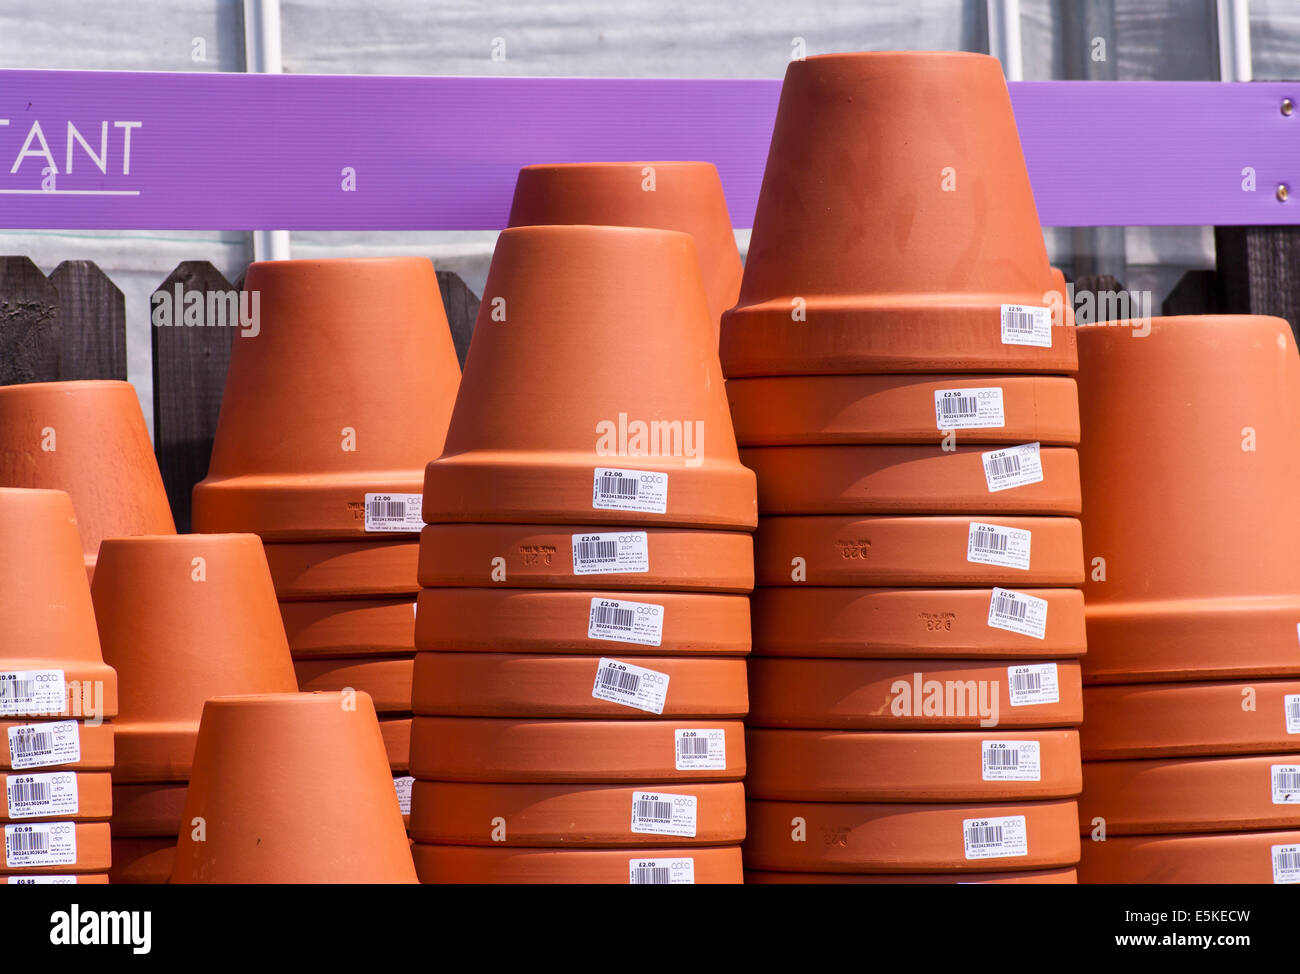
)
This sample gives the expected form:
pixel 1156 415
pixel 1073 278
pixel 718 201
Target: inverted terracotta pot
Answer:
pixel 1163 795
pixel 344 389
pixel 441 864
pixel 44 745
pixel 143 861
pixel 581 816
pixel 881 838
pixel 904 480
pixel 808 410
pixel 589 751
pixel 576 301
pixel 1186 500
pixel 355 627
pixel 329 570
pixel 1058 877
pixel 524 621
pixel 893 249
pixel 86 796
pixel 1226 858
pixel 396 732
pixel 50 660
pixel 1151 720
pixel 90 855
pixel 909 551
pixel 908 695
pixel 684 196
pixel 184 618
pixel 542 556
pixel 902 766
pixel 386 681
pixel 899 623
pixel 533 685
pixel 89 439
pixel 261 763
pixel 148 811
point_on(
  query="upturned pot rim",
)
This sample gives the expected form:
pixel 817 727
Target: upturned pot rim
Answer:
pixel 65 385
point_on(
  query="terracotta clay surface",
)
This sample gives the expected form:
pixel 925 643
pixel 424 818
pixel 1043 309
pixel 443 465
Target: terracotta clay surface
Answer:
pixel 904 766
pixel 1199 554
pixel 94 794
pixel 317 413
pixel 387 681
pixel 351 627
pixel 684 196
pixel 538 621
pixel 396 732
pixel 468 864
pixel 1230 857
pixel 574 296
pixel 1150 720
pixel 910 551
pixel 89 439
pixel 541 556
pixel 860 261
pixel 92 843
pixel 330 570
pixel 1059 877
pixel 910 695
pixel 904 479
pixel 148 810
pixel 897 838
pixel 301 787
pixel 534 685
pixel 137 861
pixel 580 816
pixel 555 751
pixel 788 410
pixel 94 743
pixel 908 622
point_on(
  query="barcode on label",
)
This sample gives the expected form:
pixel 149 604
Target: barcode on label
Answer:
pixel 42 745
pixel 1014 466
pixel 1026 325
pixel 994 544
pixel 1018 612
pixel 1003 759
pixel 394 512
pixel 32 693
pixel 1012 608
pixel 1291 704
pixel 1026 682
pixel 621 680
pixel 661 872
pixel 613 553
pixel 23 842
pixel 957 407
pixel 40 844
pixel 653 811
pixel 659 814
pixel 613 617
pixel 691 747
pixel 596 550
pixel 701 750
pixel 626 622
pixel 651 875
pixel 25 792
pixel 983 538
pixel 29 745
pixel 1033 683
pixel 1286 784
pixel 630 685
pixel 1010 760
pixel 629 490
pixel 982 835
pixel 993 838
pixel 1286 864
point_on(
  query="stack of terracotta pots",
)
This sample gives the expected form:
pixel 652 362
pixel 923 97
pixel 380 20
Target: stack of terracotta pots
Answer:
pixel 181 618
pixel 332 406
pixel 583 619
pixel 899 380
pixel 1190 457
pixel 56 696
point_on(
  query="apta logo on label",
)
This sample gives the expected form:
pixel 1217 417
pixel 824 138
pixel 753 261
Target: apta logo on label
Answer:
pixel 68 157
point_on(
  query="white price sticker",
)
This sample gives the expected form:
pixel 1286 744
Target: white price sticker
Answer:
pixel 629 490
pixel 1291 705
pixel 701 750
pixel 31 693
pixel 1286 864
pixel 1018 612
pixel 51 795
pixel 630 685
pixel 995 838
pixel 404 786
pixel 394 513
pixel 1033 683
pixel 657 813
pixel 613 553
pixel 42 880
pixel 1014 466
pixel 661 872
pixel 993 544
pixel 1286 784
pixel 963 409
pixel 620 621
pixel 1010 761
pixel 43 745
pixel 40 844
pixel 1026 325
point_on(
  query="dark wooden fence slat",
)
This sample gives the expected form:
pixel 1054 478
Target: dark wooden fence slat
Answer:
pixel 92 315
pixel 1195 294
pixel 29 323
pixel 461 305
pixel 1258 271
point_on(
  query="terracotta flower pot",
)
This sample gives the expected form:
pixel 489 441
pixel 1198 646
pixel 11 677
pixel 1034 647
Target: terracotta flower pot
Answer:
pixel 892 766
pixel 544 556
pixel 468 864
pixel 396 732
pixel 331 570
pixel 386 681
pixel 583 816
pixel 896 244
pixel 89 439
pixel 67 847
pixel 1227 858
pixel 911 695
pixel 910 551
pixel 532 621
pixel 587 751
pixel 1058 877
pixel 44 745
pixel 344 390
pixel 1186 499
pixel 896 838
pixel 142 861
pixel 894 623
pixel 41 795
pixel 568 310
pixel 148 811
pixel 184 618
pixel 356 627
pixel 817 410
pixel 684 196
pixel 533 685
pixel 261 762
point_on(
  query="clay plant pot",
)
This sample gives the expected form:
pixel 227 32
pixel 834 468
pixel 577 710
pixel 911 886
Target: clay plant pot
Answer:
pixel 39 795
pixel 343 390
pixel 891 247
pixel 78 847
pixel 534 685
pixel 684 196
pixel 50 660
pixel 184 618
pixel 386 681
pixel 470 864
pixel 819 410
pixel 907 479
pixel 544 556
pixel 903 766
pixel 882 694
pixel 853 550
pixel 895 838
pixel 1055 877
pixel 532 621
pixel 894 623
pixel 355 627
pixel 1185 499
pixel 142 861
pixel 89 439
pixel 611 326
pixel 584 751
pixel 71 745
pixel 582 816
pixel 332 570
pixel 148 811
pixel 260 762
pixel 396 732
pixel 1165 720
pixel 1224 858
